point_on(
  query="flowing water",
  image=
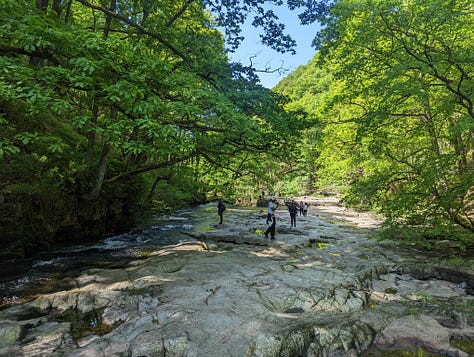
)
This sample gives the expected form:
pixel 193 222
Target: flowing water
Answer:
pixel 46 272
pixel 322 286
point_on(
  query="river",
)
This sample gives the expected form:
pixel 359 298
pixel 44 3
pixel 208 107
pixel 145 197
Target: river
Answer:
pixel 183 285
pixel 45 271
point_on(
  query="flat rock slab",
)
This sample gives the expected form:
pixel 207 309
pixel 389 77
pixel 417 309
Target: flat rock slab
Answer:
pixel 250 239
pixel 321 289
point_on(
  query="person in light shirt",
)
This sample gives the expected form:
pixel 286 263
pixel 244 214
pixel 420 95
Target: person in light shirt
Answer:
pixel 272 206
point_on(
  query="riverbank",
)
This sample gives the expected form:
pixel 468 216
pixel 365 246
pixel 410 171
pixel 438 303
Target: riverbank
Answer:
pixel 323 288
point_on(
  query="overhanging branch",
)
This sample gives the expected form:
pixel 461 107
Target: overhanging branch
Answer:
pixel 151 167
pixel 139 28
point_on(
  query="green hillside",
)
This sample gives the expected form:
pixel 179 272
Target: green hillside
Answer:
pixel 391 94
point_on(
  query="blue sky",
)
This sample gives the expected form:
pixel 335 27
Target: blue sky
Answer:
pixel 268 58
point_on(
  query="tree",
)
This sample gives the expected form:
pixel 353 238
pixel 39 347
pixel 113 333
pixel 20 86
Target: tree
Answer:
pixel 118 96
pixel 407 79
pixel 307 88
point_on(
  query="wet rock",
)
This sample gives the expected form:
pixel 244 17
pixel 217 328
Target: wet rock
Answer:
pixel 150 342
pixel 345 340
pixel 323 289
pixel 9 332
pixel 231 237
pixel 46 338
pixel 421 330
pixel 265 345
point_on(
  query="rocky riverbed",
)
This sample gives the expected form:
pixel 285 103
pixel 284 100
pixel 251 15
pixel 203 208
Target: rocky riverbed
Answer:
pixel 324 288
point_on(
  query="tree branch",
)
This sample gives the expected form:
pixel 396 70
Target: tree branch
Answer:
pixel 43 53
pixel 140 29
pixel 179 13
pixel 151 167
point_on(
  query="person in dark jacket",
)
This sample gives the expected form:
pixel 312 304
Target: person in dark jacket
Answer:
pixel 293 209
pixel 220 209
pixel 272 228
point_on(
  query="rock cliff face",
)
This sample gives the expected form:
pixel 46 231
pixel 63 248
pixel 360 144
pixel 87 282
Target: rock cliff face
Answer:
pixel 321 289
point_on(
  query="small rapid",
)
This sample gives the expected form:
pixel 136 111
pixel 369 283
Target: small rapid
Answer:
pixel 47 271
pixel 184 285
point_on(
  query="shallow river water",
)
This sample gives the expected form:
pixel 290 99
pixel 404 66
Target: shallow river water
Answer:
pixel 43 272
pixel 183 285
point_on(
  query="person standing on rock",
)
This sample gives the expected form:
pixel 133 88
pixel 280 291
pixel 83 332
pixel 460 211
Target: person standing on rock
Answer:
pixel 305 209
pixel 220 209
pixel 301 208
pixel 271 209
pixel 272 206
pixel 272 228
pixel 293 209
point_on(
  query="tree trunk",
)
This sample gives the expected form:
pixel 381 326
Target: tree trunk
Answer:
pixel 153 188
pixel 68 12
pixel 104 159
pixel 91 135
pixel 57 6
pixel 42 4
pixel 36 61
pixel 471 132
pixel 108 20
